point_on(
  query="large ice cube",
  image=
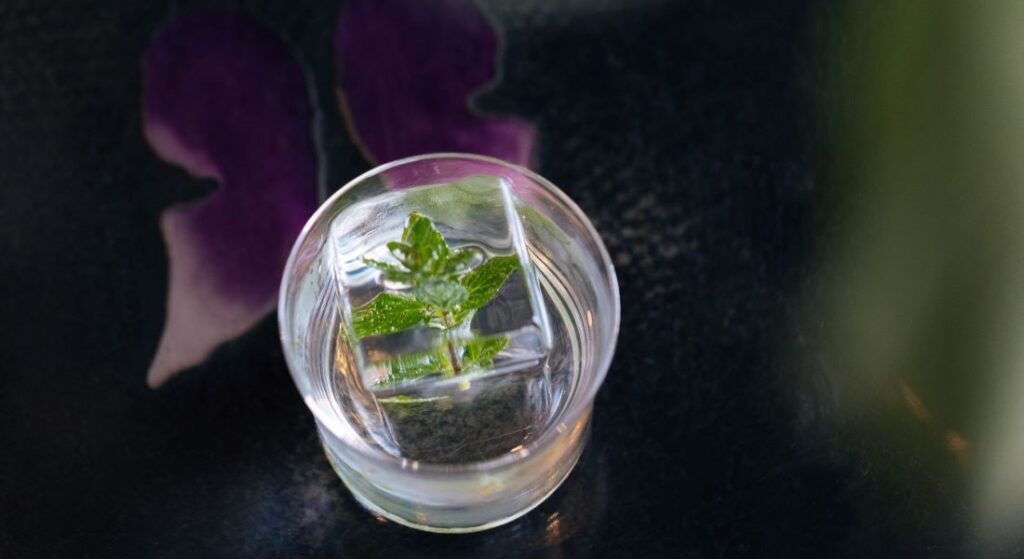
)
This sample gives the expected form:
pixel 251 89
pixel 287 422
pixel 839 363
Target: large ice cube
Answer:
pixel 477 213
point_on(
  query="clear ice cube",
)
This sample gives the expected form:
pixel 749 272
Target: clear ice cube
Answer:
pixel 457 420
pixel 477 213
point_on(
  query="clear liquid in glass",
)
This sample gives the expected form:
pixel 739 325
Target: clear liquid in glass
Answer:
pixel 467 417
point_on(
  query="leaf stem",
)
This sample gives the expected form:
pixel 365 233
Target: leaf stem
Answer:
pixel 452 355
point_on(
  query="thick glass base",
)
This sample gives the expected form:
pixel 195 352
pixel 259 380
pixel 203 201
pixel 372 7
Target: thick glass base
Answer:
pixel 464 500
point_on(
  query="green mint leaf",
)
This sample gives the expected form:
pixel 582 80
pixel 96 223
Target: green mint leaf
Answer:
pixel 427 251
pixel 442 294
pixel 484 282
pixel 403 399
pixel 459 262
pixel 392 272
pixel 480 352
pixel 401 251
pixel 388 313
pixel 412 366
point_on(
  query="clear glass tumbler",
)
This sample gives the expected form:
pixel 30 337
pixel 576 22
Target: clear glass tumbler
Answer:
pixel 575 282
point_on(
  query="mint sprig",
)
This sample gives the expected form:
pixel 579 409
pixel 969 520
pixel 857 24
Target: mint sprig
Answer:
pixel 445 289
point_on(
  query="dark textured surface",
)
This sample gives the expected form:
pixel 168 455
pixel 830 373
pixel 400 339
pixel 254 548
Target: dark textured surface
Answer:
pixel 682 128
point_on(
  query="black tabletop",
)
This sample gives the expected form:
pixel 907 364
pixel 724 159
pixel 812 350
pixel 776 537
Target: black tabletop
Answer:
pixel 686 131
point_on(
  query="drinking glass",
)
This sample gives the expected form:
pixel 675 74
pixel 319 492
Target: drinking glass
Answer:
pixel 577 287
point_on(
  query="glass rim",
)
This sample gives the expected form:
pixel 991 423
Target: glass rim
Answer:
pixel 579 402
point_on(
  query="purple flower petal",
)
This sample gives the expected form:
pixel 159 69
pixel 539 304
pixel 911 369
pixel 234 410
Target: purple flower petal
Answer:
pixel 406 73
pixel 225 99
